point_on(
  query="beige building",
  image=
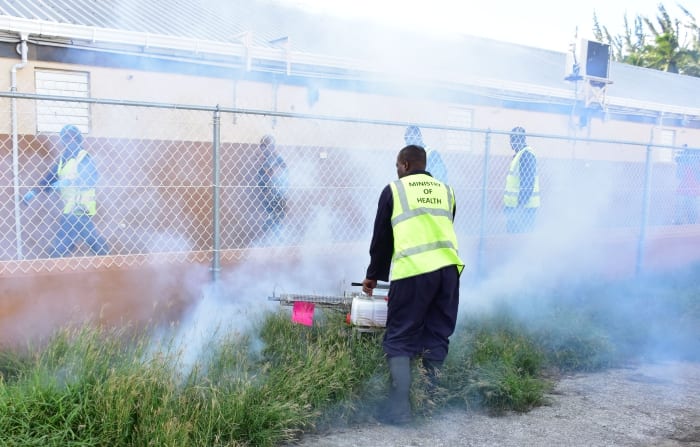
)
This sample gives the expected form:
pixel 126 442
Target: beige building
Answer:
pixel 167 93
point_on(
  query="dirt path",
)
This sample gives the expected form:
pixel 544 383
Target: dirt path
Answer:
pixel 643 406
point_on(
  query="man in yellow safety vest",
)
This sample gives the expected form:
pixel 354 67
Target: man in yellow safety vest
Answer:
pixel 414 237
pixel 74 176
pixel 521 199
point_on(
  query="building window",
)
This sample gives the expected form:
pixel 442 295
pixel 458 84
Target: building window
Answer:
pixel 459 117
pixel 53 115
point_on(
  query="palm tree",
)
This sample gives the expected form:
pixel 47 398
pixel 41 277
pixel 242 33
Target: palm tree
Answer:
pixel 667 52
pixel 692 68
pixel 628 48
pixel 635 43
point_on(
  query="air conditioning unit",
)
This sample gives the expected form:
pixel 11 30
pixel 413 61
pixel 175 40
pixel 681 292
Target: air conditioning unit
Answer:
pixel 595 59
pixel 591 61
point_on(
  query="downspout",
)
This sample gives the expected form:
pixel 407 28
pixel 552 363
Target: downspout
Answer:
pixel 15 143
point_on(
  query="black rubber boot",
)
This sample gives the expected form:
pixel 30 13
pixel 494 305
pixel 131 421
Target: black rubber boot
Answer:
pixel 432 372
pixel 397 408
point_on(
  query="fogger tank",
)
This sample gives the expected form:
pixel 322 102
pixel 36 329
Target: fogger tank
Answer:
pixel 368 312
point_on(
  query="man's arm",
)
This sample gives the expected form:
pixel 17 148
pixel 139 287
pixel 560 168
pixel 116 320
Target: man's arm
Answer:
pixel 49 178
pixel 279 178
pixel 381 248
pixel 528 170
pixel 45 183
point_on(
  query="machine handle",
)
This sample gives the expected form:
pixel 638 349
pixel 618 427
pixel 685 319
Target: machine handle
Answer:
pixel 379 286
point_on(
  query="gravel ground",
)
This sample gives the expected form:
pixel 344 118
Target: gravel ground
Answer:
pixel 645 405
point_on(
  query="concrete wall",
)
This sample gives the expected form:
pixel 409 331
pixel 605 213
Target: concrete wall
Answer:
pixel 33 306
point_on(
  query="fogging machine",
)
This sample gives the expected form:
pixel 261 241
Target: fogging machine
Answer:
pixel 363 312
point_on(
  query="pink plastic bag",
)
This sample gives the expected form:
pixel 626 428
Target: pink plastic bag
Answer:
pixel 303 313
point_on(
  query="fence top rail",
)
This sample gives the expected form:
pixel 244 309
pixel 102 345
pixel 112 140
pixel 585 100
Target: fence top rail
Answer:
pixel 218 109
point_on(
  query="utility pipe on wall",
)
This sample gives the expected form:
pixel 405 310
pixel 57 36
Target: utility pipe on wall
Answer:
pixel 15 143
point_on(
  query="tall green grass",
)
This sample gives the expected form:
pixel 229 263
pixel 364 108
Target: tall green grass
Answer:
pixel 98 387
pixel 495 365
pixel 121 387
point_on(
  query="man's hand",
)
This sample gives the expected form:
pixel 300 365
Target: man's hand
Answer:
pixel 368 286
pixel 62 183
pixel 28 197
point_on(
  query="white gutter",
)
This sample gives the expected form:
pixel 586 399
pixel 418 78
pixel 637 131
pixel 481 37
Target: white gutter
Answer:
pixel 15 142
pixel 147 40
pixel 247 52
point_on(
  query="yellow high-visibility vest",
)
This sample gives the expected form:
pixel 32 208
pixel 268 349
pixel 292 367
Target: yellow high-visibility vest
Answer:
pixel 510 197
pixel 76 199
pixel 424 236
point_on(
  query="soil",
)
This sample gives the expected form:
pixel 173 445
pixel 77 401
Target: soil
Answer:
pixel 652 404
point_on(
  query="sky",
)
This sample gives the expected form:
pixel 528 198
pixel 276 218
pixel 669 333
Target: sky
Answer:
pixel 549 24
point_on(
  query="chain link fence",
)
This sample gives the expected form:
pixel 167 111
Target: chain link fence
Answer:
pixel 195 183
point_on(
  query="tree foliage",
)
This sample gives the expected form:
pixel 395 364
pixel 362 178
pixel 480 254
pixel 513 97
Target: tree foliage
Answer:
pixel 662 43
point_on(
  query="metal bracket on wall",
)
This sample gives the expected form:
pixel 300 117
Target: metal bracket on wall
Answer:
pixel 594 91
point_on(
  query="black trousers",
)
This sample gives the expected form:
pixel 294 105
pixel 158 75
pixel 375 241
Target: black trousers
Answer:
pixel 422 314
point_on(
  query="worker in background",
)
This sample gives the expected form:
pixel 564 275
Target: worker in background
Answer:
pixel 273 182
pixel 521 199
pixel 414 236
pixel 688 186
pixel 74 176
pixel 435 166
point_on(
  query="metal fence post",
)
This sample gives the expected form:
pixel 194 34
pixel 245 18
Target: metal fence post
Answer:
pixel 645 212
pixel 484 205
pixel 15 180
pixel 216 236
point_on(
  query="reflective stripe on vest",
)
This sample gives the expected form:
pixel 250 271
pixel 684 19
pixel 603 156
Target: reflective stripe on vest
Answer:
pixel 510 197
pixel 424 236
pixel 77 200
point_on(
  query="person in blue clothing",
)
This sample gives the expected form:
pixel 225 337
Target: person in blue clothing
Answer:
pixel 74 176
pixel 435 166
pixel 273 184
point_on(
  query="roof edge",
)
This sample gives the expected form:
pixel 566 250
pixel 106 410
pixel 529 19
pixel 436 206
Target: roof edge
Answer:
pixel 286 56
